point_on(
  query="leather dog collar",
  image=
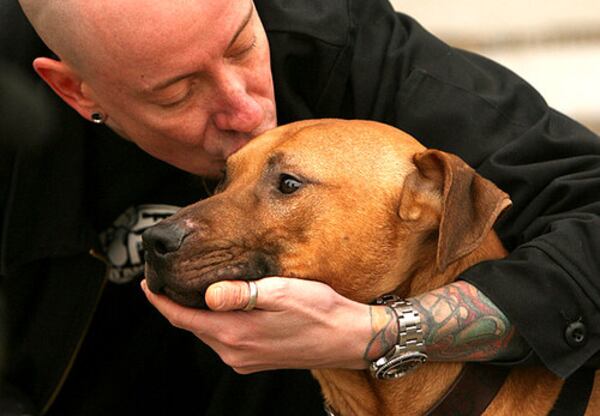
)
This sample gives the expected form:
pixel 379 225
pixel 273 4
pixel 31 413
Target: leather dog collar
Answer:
pixel 471 393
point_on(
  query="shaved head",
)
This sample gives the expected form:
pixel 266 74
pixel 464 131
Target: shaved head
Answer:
pixel 85 33
pixel 59 24
pixel 100 35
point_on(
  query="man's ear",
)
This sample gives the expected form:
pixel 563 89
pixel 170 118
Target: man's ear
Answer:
pixel 444 193
pixel 67 84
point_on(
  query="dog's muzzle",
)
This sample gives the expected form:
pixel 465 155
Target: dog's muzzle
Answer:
pixel 182 265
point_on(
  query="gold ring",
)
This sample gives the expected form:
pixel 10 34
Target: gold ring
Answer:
pixel 253 296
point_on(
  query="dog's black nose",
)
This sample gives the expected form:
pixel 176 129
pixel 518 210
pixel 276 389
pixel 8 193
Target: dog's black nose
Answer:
pixel 164 238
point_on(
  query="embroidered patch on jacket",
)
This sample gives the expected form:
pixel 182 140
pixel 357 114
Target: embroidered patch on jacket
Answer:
pixel 122 241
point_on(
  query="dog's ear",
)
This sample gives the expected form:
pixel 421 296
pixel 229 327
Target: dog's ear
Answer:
pixel 445 193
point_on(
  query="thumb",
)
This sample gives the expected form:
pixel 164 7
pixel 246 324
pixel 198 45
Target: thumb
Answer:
pixel 227 295
pixel 274 294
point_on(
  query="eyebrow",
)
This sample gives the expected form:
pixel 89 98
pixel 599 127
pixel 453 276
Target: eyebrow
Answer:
pixel 163 84
pixel 274 160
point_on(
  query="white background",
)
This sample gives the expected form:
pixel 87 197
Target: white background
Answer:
pixel 553 44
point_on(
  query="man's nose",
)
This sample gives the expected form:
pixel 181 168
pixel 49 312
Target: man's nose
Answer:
pixel 239 111
pixel 164 238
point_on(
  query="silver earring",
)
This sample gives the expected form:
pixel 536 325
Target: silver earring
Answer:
pixel 97 118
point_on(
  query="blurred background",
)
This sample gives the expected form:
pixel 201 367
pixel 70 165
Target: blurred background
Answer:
pixel 553 44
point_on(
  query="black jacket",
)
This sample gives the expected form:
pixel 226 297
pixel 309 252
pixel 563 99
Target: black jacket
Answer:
pixel 359 59
pixel 339 58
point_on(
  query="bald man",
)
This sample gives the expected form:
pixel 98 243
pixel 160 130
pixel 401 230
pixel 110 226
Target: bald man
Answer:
pixel 190 82
pixel 141 61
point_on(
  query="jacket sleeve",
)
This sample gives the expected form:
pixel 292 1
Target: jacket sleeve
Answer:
pixel 549 285
pixel 22 122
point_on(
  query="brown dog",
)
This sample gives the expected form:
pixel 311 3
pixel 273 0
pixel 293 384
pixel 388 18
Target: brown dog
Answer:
pixel 364 208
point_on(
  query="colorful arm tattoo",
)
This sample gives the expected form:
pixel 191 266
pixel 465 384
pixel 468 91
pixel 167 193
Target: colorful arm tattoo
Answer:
pixel 384 332
pixel 461 324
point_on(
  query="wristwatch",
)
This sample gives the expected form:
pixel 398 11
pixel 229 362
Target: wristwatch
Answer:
pixel 409 351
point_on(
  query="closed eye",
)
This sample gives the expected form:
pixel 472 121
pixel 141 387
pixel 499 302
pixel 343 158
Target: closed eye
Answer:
pixel 243 52
pixel 180 102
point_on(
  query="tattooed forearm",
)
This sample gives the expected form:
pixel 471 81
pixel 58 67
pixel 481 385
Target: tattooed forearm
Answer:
pixel 461 324
pixel 384 332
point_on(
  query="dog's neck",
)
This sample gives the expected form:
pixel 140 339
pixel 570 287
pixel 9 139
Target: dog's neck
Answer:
pixel 428 277
pixel 352 392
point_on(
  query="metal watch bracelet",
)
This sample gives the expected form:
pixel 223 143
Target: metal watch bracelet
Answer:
pixel 409 351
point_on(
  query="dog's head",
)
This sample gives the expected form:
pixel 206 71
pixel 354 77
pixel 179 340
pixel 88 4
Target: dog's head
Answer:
pixel 358 205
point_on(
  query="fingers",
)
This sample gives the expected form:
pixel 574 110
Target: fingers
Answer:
pixel 235 295
pixel 273 293
pixel 227 295
pixel 295 317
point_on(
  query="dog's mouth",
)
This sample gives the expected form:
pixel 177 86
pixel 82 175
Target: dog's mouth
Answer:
pixel 187 285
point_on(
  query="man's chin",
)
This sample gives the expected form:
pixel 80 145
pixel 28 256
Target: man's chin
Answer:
pixel 212 169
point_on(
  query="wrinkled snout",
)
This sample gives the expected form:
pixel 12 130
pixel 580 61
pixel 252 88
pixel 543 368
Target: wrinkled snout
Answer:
pixel 189 251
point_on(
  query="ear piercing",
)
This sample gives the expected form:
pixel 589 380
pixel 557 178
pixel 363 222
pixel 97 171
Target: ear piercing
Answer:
pixel 97 118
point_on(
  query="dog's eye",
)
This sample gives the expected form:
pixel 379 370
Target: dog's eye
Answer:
pixel 288 184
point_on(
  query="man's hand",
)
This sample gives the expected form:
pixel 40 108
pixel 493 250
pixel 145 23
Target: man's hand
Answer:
pixel 296 324
pixel 306 324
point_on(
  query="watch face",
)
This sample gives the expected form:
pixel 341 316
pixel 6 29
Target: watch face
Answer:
pixel 401 364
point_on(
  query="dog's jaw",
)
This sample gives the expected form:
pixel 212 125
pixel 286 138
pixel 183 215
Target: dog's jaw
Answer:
pixel 187 285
